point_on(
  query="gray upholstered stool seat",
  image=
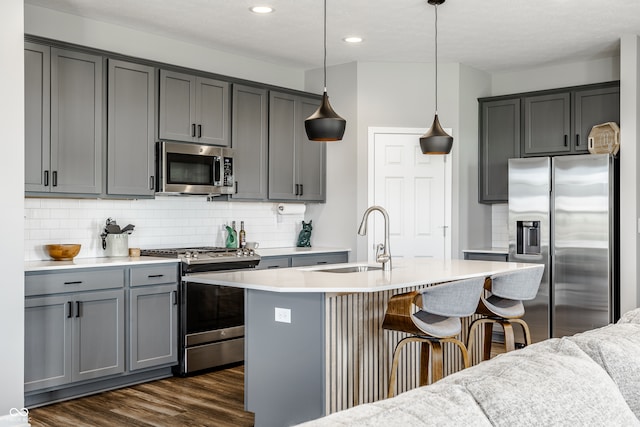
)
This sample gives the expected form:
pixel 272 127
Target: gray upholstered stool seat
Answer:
pixel 431 317
pixel 503 304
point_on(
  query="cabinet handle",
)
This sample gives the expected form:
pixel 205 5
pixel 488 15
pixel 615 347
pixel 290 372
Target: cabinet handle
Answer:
pixel 301 189
pixel 153 276
pixel 77 282
pixel 566 140
pixel 78 308
pixel 199 131
pixel 321 262
pixel 236 191
pixel 175 297
pixel 577 139
pixel 70 309
pixel 193 129
pixel 273 266
pixel 46 178
pixel 297 189
pixel 54 178
pixel 152 182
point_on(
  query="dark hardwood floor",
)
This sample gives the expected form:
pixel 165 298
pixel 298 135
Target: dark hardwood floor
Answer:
pixel 210 399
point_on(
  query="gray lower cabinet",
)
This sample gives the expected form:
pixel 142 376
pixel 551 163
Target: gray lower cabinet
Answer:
pixel 486 256
pixel 297 166
pixel 499 141
pixel 73 337
pixel 130 135
pixel 153 326
pixel 63 121
pixel 76 322
pixel 285 261
pixel 194 109
pixel 249 136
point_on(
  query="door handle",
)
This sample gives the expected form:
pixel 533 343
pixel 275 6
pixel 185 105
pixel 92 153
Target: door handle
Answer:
pixel 301 189
pixel 151 182
pixel 46 178
pixel 199 131
pixel 566 140
pixel 175 297
pixel 78 308
pixel 297 189
pixel 577 139
pixel 236 191
pixel 54 178
pixel 193 129
pixel 70 309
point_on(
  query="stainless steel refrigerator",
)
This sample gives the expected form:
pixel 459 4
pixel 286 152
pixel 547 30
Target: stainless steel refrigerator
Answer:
pixel 563 213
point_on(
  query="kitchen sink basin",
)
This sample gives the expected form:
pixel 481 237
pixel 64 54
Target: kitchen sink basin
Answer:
pixel 352 269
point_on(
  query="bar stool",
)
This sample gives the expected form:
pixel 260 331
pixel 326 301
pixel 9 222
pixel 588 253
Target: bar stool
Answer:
pixel 436 322
pixel 502 303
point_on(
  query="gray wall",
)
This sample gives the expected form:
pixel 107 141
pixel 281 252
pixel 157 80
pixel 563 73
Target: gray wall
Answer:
pixel 12 174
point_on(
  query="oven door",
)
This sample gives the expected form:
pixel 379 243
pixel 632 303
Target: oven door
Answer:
pixel 212 313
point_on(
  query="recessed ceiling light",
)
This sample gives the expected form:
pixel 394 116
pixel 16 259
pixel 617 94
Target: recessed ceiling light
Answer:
pixel 261 9
pixel 353 39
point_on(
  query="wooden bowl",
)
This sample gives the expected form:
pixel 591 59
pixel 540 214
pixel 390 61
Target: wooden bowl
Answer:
pixel 62 252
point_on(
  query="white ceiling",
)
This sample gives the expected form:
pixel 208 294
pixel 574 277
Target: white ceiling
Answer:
pixel 490 35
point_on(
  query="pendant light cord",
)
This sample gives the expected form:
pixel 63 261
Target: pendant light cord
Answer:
pixel 325 46
pixel 436 6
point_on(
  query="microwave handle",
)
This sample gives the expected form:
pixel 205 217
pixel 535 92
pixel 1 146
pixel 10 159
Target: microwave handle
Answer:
pixel 217 170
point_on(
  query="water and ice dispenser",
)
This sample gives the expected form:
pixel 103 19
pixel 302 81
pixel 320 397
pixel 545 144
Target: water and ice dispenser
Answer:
pixel 528 237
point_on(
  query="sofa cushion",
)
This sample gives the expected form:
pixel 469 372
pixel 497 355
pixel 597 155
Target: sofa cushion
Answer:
pixel 616 348
pixel 436 405
pixel 550 383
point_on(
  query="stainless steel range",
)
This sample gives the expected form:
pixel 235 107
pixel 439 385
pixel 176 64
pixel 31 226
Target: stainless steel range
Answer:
pixel 211 317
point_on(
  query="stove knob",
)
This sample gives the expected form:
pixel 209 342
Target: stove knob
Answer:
pixel 239 252
pixel 251 252
pixel 187 254
pixel 195 254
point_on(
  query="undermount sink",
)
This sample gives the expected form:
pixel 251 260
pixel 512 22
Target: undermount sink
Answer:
pixel 352 269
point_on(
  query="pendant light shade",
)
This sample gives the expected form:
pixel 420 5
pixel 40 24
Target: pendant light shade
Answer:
pixel 436 140
pixel 325 124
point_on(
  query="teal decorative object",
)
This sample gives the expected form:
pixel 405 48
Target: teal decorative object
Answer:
pixel 232 238
pixel 304 238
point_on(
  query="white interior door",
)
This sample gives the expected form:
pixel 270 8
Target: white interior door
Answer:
pixel 415 190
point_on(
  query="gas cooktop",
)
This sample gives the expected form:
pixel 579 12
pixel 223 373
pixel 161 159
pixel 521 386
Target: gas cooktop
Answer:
pixel 204 254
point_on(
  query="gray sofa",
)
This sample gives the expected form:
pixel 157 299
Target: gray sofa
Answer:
pixel 589 379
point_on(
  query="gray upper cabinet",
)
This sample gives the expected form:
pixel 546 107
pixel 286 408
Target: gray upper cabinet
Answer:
pixel 37 103
pixel 194 109
pixel 593 107
pixel 130 134
pixel 297 166
pixel 547 124
pixel 249 136
pixel 63 155
pixel 499 141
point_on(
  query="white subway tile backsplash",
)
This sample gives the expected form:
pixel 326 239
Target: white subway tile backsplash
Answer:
pixel 161 222
pixel 500 225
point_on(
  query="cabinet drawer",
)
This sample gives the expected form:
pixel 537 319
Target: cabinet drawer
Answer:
pixel 331 258
pixel 55 283
pixel 274 262
pixel 155 275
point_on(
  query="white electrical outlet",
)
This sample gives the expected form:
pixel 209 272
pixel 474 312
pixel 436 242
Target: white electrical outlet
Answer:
pixel 283 315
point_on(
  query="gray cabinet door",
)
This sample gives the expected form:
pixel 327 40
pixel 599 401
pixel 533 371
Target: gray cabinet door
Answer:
pixel 194 109
pixel 76 122
pixel 283 130
pixel 37 103
pixel 547 124
pixel 130 136
pixel 98 334
pixel 177 106
pixel 593 107
pixel 47 341
pixel 249 138
pixel 212 112
pixel 153 326
pixel 311 156
pixel 499 141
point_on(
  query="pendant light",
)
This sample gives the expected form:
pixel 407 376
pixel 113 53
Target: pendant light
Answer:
pixel 325 124
pixel 436 140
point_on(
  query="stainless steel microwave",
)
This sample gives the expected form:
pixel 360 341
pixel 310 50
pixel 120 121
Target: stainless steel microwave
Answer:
pixel 185 168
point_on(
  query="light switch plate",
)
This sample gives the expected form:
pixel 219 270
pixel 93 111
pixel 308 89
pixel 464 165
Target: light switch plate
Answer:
pixel 283 315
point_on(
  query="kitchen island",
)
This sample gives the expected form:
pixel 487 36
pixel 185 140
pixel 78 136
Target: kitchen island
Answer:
pixel 313 338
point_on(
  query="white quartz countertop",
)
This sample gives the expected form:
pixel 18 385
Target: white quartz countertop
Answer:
pixel 50 265
pixel 267 252
pixel 405 273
